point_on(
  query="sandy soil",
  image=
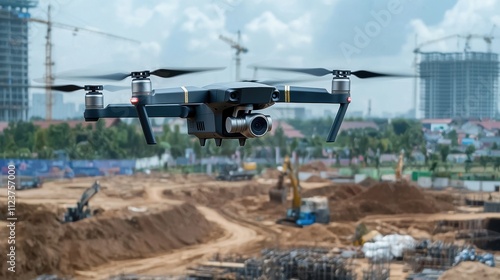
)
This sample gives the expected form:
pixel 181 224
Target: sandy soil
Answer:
pixel 243 217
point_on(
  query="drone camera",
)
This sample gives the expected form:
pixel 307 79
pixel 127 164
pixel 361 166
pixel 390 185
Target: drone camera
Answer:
pixel 250 125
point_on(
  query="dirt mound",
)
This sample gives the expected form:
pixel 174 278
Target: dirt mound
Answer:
pixel 368 182
pixel 471 271
pixel 271 173
pixel 334 192
pixel 316 179
pixel 314 166
pixel 386 198
pixel 45 246
pixel 314 233
pixel 217 196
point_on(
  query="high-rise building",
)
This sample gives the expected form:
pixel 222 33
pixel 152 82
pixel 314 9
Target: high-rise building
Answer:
pixel 459 85
pixel 14 59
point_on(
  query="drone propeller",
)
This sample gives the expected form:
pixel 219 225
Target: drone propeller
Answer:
pixel 162 73
pixel 279 82
pixel 71 88
pixel 362 74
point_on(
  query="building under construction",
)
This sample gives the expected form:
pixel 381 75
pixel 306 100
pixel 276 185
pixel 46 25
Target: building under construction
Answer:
pixel 459 85
pixel 14 100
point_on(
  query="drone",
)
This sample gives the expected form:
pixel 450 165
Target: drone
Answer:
pixel 218 111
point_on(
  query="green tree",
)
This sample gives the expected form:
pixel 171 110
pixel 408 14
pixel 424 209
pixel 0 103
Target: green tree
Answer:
pixel 484 160
pixel 469 151
pixel 444 151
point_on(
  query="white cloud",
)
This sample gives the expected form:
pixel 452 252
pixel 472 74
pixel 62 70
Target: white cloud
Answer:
pixel 204 25
pixel 284 34
pixel 466 17
pixel 131 15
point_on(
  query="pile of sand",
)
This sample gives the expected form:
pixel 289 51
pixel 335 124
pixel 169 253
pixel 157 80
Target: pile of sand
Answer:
pixel 368 182
pixel 471 271
pixel 316 179
pixel 387 198
pixel 313 233
pixel 314 166
pixel 217 196
pixel 334 192
pixel 270 173
pixel 45 246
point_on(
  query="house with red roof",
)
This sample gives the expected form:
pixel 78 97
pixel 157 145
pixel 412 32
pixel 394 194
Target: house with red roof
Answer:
pixel 108 122
pixel 289 131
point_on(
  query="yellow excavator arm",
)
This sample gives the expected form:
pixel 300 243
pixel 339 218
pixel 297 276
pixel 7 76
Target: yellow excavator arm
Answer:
pixel 399 167
pixel 288 169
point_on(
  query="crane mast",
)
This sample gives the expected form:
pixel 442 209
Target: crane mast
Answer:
pixel 49 63
pixel 239 49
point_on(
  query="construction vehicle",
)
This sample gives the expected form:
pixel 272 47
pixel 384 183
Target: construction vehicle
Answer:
pixel 82 210
pixel 398 171
pixel 304 211
pixel 399 167
pixel 28 182
pixel 230 171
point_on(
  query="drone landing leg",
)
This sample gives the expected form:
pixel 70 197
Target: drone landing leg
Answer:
pixel 146 126
pixel 337 122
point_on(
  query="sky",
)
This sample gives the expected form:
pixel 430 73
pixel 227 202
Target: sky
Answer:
pixel 376 35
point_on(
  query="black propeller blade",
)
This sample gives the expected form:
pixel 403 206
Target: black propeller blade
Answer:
pixel 163 73
pixel 273 82
pixel 71 88
pixel 362 74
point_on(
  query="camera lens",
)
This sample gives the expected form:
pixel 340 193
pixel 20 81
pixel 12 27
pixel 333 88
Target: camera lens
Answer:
pixel 259 126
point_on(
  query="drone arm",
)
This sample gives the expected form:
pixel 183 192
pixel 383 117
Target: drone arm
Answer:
pixel 291 94
pixel 129 111
pixel 181 95
pixel 140 111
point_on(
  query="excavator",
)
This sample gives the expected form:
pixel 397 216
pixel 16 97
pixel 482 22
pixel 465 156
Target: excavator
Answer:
pixel 82 210
pixel 304 211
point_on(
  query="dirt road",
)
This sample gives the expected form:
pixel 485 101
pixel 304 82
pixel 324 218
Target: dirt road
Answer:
pixel 235 235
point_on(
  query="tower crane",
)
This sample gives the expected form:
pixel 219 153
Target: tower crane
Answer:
pixel 49 63
pixel 239 49
pixel 487 38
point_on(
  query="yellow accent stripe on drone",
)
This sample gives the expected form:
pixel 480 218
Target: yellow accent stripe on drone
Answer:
pixel 287 93
pixel 186 94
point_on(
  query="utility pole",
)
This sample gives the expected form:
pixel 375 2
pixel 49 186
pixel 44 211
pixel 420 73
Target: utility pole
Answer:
pixel 49 63
pixel 239 49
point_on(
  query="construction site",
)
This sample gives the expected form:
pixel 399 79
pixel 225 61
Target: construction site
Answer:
pixel 193 226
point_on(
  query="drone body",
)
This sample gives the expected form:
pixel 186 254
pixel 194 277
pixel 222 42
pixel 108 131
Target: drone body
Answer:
pixel 218 111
